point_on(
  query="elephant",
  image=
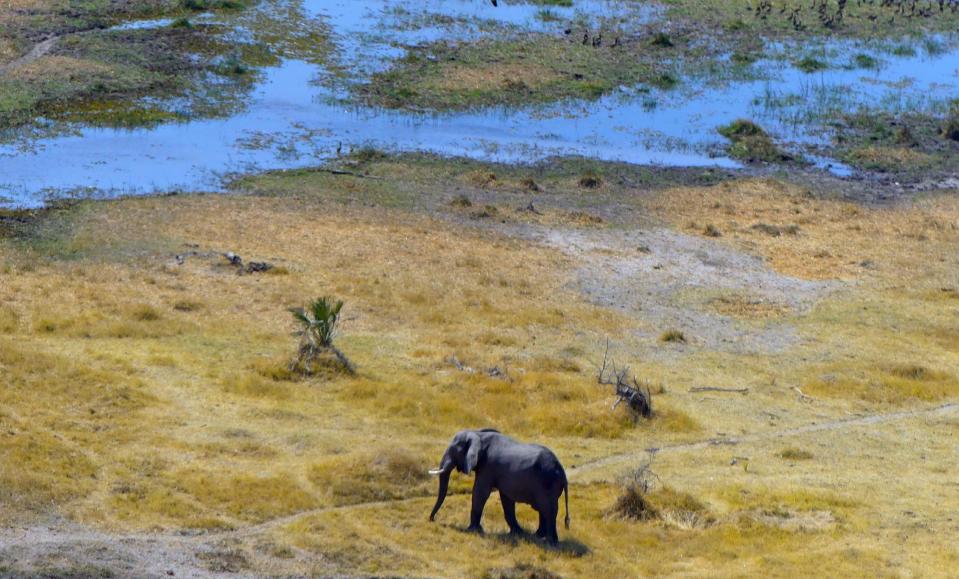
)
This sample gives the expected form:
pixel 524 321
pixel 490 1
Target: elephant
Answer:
pixel 522 473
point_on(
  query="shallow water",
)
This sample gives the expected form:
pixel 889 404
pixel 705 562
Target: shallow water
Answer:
pixel 293 121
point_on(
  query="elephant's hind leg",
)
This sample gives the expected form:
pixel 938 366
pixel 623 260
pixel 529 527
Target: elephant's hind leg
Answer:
pixel 552 512
pixel 541 530
pixel 509 511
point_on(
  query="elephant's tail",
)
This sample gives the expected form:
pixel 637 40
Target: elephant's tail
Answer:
pixel 566 493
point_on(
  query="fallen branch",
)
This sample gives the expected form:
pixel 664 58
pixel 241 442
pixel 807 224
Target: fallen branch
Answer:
pixel 717 389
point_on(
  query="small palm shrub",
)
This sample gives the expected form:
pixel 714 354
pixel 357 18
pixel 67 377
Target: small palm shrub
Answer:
pixel 318 324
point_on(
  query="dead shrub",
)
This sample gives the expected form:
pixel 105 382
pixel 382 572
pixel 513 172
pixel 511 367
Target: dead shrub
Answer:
pixel 639 502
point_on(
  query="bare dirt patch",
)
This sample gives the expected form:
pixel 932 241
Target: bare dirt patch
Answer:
pixel 667 278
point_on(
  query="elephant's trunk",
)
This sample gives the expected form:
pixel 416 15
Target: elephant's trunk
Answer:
pixel 444 472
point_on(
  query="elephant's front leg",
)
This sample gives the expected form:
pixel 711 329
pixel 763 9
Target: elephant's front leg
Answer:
pixel 481 492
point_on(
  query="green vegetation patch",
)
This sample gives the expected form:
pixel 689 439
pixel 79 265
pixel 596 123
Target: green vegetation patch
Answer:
pixel 532 69
pixel 914 146
pixel 750 143
pixel 98 76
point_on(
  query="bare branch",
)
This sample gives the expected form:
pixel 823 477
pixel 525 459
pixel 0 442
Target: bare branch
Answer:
pixel 638 398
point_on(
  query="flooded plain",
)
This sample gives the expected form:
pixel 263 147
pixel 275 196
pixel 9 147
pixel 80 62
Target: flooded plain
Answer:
pixel 300 113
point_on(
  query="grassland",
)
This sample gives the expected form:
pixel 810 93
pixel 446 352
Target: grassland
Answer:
pixel 146 397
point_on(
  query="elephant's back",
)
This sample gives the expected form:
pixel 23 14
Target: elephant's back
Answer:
pixel 536 458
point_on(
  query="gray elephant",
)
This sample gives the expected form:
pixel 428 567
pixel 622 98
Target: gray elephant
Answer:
pixel 522 473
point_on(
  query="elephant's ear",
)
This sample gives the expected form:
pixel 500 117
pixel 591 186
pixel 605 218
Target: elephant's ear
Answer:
pixel 473 451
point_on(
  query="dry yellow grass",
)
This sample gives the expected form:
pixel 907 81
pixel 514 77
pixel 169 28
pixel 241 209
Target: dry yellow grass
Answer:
pixel 63 68
pixel 459 77
pixel 832 239
pixel 146 395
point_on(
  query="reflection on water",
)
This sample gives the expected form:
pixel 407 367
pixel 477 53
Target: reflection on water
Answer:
pixel 292 121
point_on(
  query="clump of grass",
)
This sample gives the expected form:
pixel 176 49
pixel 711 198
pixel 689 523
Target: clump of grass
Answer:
pixel 661 40
pixel 743 58
pixel 187 306
pixel 751 143
pixel 914 372
pixel 482 178
pixel 865 61
pixel 461 202
pixel 9 320
pixel 389 474
pixel 638 502
pixel 776 230
pixel 950 128
pixel 664 81
pixel 317 354
pixel 795 454
pixel 205 5
pixel 673 336
pixel 233 65
pixel 368 154
pixel 590 181
pixel 487 212
pixel 633 505
pixel 278 371
pixel 144 313
pixel 905 136
pixel 529 185
pixel 811 64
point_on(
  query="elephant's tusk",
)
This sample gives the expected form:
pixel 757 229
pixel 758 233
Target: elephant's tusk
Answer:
pixel 436 471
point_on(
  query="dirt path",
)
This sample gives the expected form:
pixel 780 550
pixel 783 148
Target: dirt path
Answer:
pixel 945 409
pixel 69 545
pixel 39 50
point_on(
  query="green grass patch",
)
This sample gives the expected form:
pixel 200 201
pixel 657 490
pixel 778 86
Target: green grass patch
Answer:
pixel 531 69
pixel 750 143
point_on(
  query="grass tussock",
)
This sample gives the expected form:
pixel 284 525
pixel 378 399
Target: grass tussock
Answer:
pixel 672 337
pixel 665 504
pixel 366 477
pixel 795 454
pixel 751 143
